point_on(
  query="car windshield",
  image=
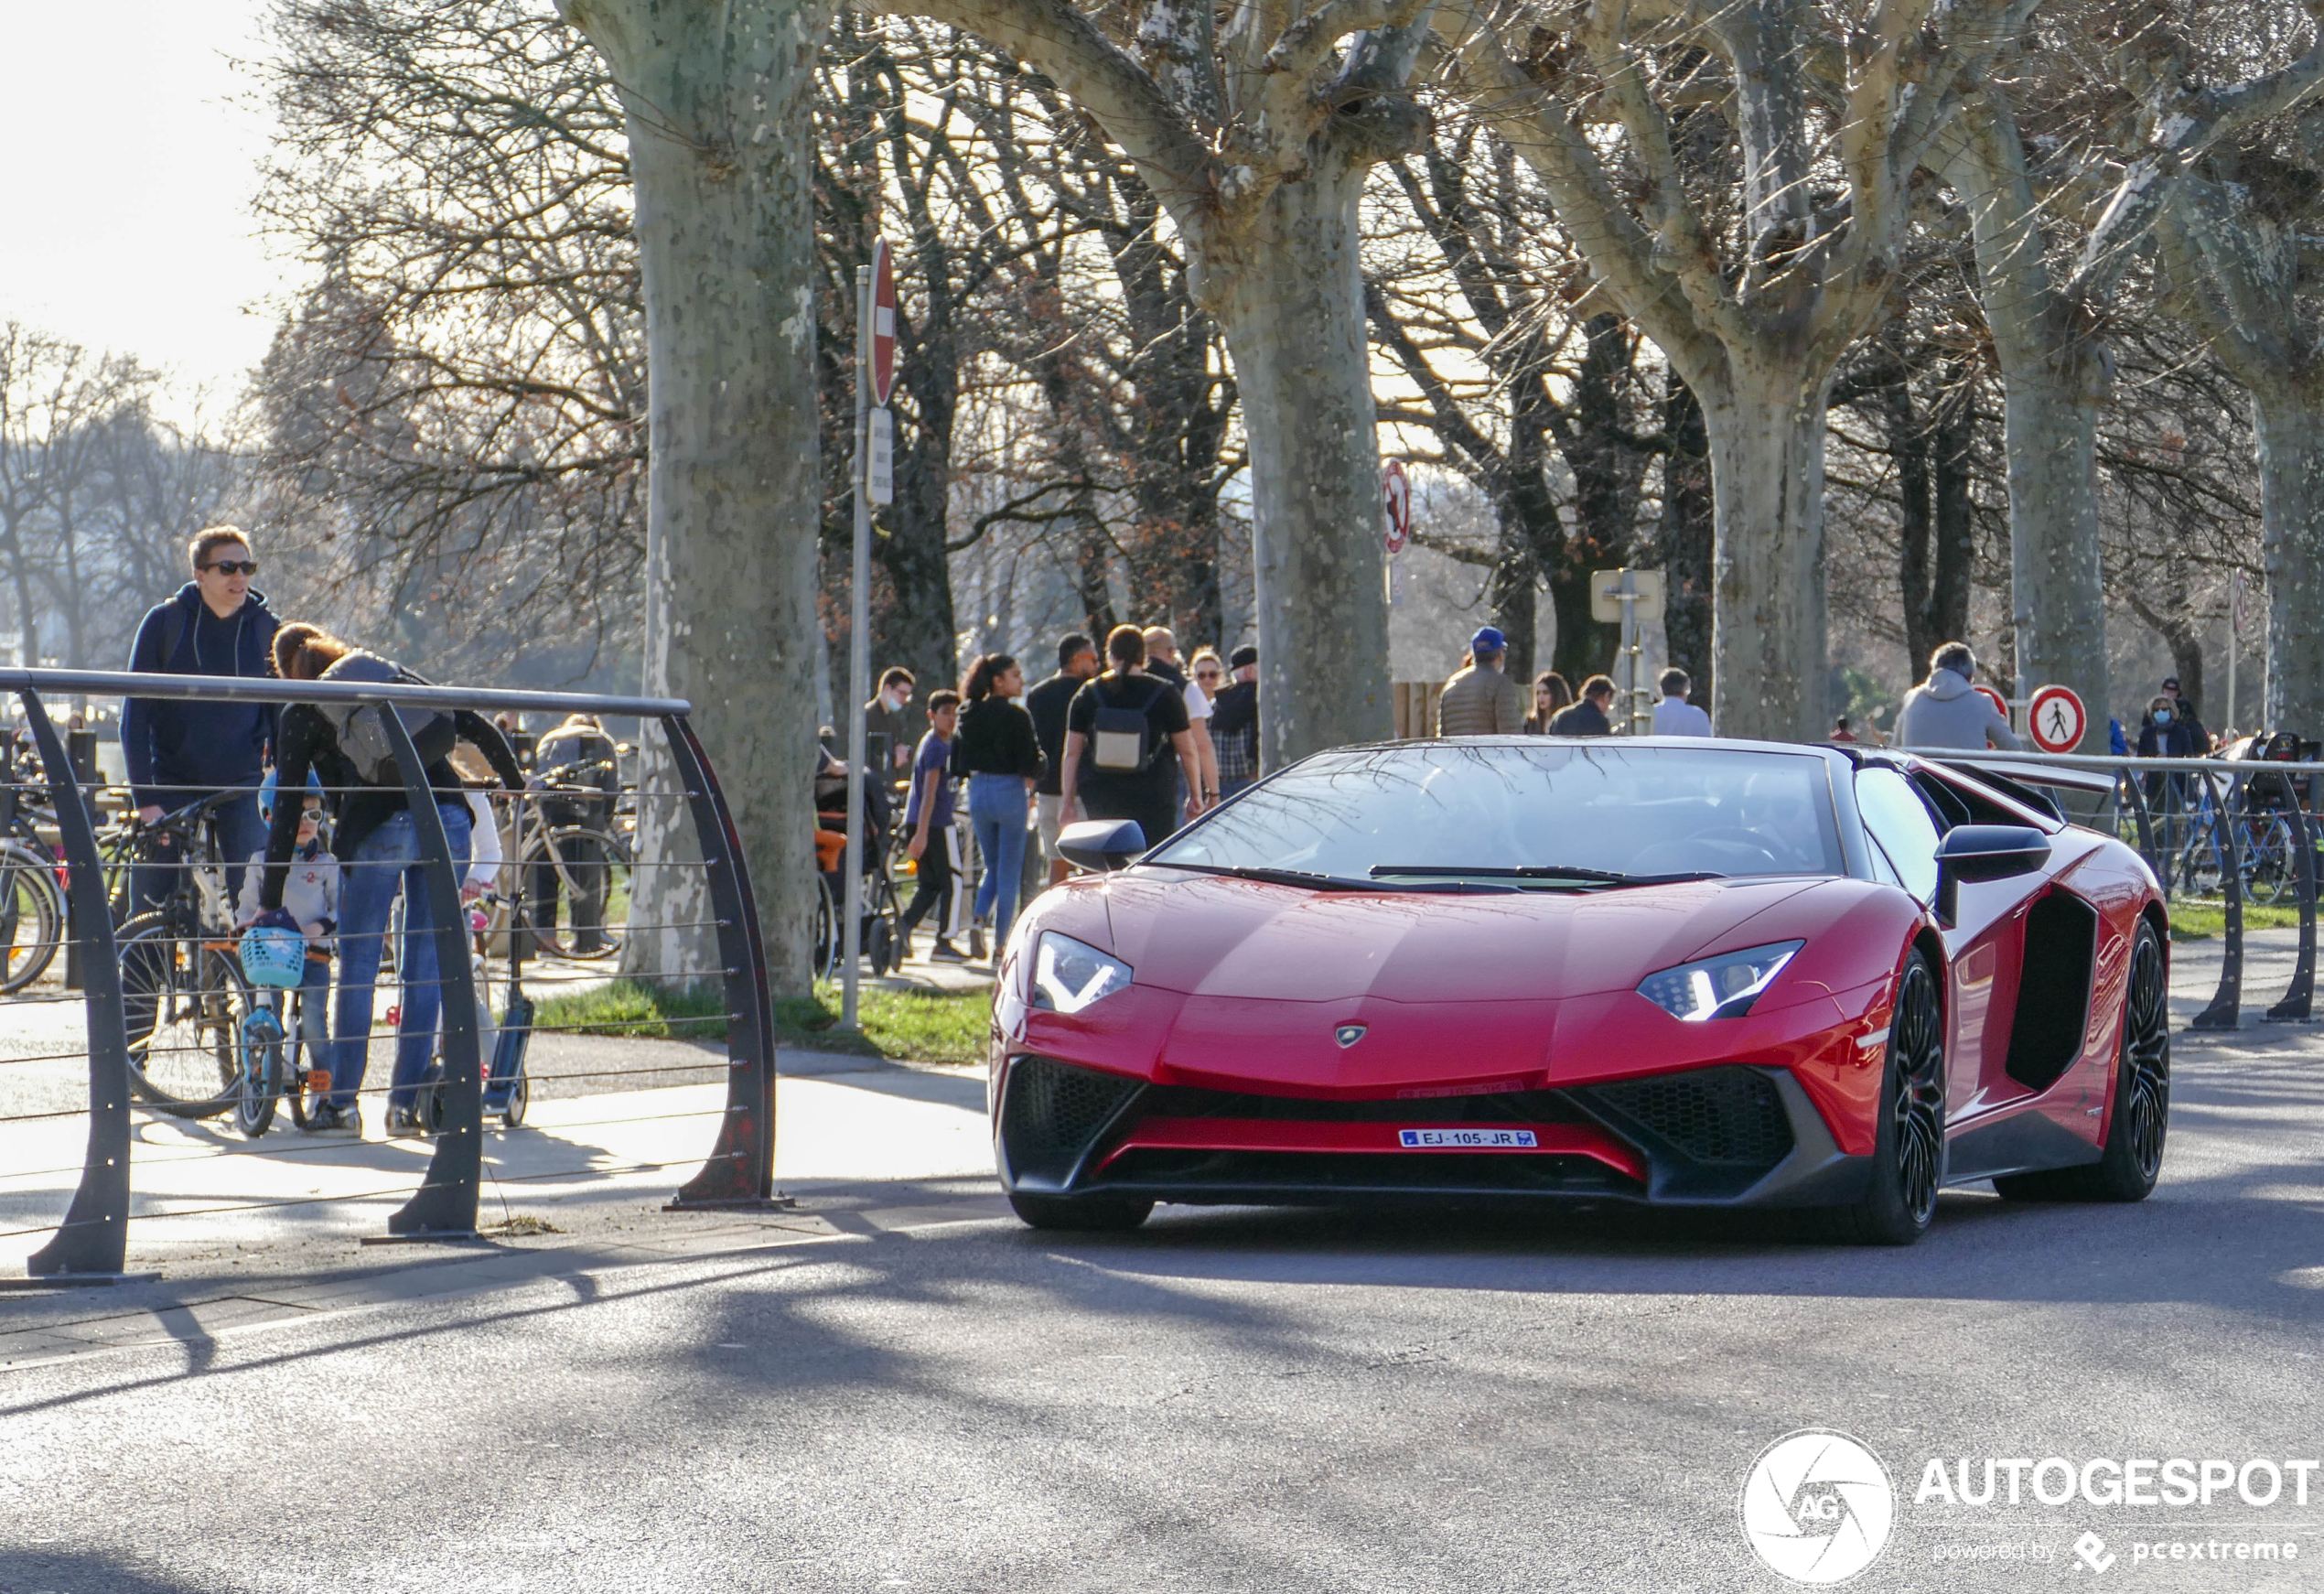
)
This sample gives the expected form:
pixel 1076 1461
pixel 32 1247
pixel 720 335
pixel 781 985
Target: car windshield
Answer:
pixel 1551 815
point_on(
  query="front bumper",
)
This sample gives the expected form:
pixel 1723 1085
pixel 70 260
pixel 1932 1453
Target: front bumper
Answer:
pixel 1725 1136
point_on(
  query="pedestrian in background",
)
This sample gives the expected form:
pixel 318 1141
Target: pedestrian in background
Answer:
pixel 1588 716
pixel 929 815
pixel 996 748
pixel 1076 662
pixel 1551 696
pixel 1945 711
pixel 2183 714
pixel 577 779
pixel 1674 716
pixel 1480 700
pixel 1125 734
pixel 1162 656
pixel 1206 678
pixel 179 752
pixel 887 721
pixel 1840 730
pixel 1234 725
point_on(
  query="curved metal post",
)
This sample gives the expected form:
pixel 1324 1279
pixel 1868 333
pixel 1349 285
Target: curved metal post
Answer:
pixel 741 1170
pixel 2225 1011
pixel 94 1236
pixel 2128 781
pixel 2300 996
pixel 445 1204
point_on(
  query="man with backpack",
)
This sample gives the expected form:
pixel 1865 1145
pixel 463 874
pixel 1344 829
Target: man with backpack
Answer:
pixel 179 751
pixel 1125 732
pixel 576 758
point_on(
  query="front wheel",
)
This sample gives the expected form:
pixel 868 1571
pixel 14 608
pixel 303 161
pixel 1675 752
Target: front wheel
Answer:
pixel 1088 1214
pixel 2132 1160
pixel 32 917
pixel 186 1002
pixel 1907 1152
pixel 264 1071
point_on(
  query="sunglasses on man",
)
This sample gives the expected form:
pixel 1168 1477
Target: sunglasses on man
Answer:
pixel 234 566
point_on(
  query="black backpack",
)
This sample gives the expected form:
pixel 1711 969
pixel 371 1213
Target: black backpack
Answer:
pixel 361 728
pixel 1109 738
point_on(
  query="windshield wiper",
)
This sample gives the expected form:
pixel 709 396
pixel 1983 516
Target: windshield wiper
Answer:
pixel 1539 872
pixel 1315 882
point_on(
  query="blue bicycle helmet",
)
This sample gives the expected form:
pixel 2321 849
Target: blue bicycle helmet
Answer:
pixel 268 786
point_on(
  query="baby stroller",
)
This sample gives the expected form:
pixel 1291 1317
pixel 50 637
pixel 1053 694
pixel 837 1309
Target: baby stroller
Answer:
pixel 883 909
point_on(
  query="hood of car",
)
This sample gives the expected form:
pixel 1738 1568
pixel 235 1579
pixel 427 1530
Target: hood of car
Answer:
pixel 1216 936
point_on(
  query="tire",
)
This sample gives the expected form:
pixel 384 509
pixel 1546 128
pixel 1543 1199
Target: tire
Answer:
pixel 2269 867
pixel 2140 1123
pixel 519 1098
pixel 264 1072
pixel 1908 1151
pixel 186 1004
pixel 582 858
pixel 1088 1213
pixel 826 943
pixel 32 917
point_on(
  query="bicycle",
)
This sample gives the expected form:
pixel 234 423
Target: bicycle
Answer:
pixel 32 899
pixel 183 990
pixel 591 868
pixel 270 1072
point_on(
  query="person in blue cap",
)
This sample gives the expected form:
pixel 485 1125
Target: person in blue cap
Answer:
pixel 1480 700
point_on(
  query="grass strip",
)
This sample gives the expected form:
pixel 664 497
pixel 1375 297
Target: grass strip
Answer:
pixel 2199 920
pixel 916 1026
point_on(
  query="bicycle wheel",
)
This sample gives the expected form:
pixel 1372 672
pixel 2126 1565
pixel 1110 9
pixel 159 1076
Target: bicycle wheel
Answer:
pixel 32 917
pixel 265 1069
pixel 186 1003
pixel 883 926
pixel 2269 866
pixel 587 913
pixel 826 943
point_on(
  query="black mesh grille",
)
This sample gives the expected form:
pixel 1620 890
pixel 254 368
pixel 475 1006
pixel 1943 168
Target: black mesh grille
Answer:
pixel 1224 1176
pixel 1504 1107
pixel 1714 1114
pixel 1054 1110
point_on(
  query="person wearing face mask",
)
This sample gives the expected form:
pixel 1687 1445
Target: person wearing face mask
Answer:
pixel 2169 733
pixel 888 716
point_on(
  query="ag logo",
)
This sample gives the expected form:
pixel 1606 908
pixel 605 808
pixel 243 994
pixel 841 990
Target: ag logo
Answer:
pixel 1817 1506
pixel 1347 1035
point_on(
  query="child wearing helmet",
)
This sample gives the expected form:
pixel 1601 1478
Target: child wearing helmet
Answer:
pixel 310 898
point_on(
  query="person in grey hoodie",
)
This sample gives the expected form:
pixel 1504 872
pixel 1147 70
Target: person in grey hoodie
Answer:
pixel 1945 711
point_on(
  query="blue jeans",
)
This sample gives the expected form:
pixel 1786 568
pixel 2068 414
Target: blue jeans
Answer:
pixel 240 834
pixel 388 860
pixel 996 808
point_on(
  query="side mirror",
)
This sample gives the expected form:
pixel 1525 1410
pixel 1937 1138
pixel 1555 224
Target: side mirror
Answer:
pixel 1984 852
pixel 1102 845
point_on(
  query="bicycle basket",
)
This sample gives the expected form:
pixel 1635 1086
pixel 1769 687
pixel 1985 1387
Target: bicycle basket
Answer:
pixel 273 956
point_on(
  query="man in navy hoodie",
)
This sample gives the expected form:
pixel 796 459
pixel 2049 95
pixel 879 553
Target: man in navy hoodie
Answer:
pixel 181 750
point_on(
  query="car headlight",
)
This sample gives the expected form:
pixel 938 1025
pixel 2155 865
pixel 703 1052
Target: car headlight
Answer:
pixel 1069 976
pixel 1718 987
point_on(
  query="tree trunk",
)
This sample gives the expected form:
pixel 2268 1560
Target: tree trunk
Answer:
pixel 1292 309
pixel 1516 580
pixel 1688 521
pixel 2289 420
pixel 718 101
pixel 2050 427
pixel 1767 645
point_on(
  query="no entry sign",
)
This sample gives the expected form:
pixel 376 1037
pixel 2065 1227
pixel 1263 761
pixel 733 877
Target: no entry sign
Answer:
pixel 2055 719
pixel 1396 493
pixel 883 323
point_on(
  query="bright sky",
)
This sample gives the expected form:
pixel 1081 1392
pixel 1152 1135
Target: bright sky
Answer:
pixel 128 174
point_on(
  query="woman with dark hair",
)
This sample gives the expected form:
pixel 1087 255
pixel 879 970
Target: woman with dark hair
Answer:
pixel 1550 694
pixel 378 852
pixel 997 749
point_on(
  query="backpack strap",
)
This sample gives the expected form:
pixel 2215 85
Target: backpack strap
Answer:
pixel 173 631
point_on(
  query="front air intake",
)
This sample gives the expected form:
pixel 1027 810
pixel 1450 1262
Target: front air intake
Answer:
pixel 1051 1112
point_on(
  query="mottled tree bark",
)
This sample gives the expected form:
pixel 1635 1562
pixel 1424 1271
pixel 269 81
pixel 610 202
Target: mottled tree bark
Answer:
pixel 1688 529
pixel 718 101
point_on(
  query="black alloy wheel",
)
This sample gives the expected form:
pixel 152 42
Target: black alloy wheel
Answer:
pixel 2126 1171
pixel 1908 1153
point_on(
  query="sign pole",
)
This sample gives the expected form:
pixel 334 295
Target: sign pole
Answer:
pixel 858 664
pixel 2235 643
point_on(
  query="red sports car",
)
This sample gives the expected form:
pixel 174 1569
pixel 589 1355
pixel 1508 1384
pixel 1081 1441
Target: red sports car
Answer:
pixel 1663 971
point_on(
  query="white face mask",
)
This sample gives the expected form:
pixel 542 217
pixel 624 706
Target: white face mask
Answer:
pixel 897 696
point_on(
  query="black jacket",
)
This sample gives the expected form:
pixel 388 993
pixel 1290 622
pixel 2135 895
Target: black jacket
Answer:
pixel 188 746
pixel 308 742
pixel 1582 718
pixel 1047 705
pixel 997 738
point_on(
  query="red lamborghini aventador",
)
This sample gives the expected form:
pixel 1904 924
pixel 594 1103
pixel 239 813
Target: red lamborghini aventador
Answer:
pixel 1671 971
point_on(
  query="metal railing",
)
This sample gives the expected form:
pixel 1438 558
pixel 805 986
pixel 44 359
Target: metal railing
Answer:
pixel 90 1243
pixel 2224 806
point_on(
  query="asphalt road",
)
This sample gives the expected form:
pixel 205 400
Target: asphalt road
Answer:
pixel 1225 1401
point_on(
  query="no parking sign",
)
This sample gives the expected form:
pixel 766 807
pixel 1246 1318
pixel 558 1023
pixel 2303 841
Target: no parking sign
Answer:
pixel 2055 719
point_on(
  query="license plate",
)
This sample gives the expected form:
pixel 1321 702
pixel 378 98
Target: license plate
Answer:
pixel 1467 1139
